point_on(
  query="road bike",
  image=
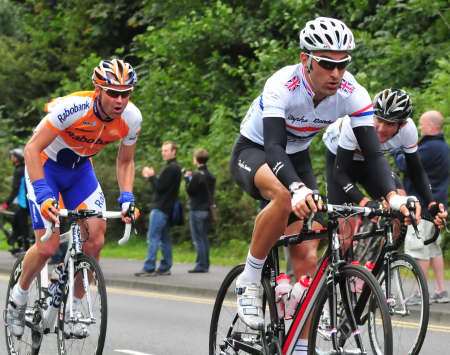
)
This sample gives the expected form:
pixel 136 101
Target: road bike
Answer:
pixel 401 278
pixel 50 306
pixel 343 312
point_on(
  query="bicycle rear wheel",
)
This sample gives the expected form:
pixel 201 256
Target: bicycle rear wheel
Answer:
pixel 408 302
pixel 358 299
pixel 229 335
pixel 30 342
pixel 85 332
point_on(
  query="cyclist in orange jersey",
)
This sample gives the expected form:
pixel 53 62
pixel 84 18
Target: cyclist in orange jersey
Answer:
pixel 57 161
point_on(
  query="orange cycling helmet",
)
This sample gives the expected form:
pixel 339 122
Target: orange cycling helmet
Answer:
pixel 115 72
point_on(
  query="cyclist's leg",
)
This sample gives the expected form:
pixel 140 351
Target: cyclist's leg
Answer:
pixel 337 195
pixel 304 255
pixel 39 253
pixel 88 194
pixel 249 169
pixel 33 262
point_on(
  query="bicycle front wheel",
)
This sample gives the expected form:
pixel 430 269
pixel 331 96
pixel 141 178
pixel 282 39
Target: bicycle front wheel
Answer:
pixel 408 301
pixel 229 335
pixel 359 303
pixel 82 328
pixel 30 342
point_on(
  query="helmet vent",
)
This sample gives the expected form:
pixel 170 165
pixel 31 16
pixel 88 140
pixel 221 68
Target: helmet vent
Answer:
pixel 318 39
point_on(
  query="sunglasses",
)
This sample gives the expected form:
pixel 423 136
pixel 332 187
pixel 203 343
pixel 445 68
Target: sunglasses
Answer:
pixel 330 64
pixel 115 94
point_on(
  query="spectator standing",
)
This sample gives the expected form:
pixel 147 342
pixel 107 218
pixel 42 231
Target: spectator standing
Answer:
pixel 18 196
pixel 434 154
pixel 166 187
pixel 200 186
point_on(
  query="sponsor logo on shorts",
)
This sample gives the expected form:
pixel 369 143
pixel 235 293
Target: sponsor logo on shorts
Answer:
pixel 74 109
pixel 100 201
pixel 243 165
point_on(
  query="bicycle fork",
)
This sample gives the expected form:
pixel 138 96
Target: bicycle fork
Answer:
pixel 77 250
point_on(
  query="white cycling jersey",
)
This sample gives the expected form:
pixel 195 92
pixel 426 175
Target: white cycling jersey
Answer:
pixel 287 94
pixel 341 134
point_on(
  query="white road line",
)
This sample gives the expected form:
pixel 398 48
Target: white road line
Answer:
pixel 130 352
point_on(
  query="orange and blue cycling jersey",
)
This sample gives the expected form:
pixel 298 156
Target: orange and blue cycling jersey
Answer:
pixel 81 134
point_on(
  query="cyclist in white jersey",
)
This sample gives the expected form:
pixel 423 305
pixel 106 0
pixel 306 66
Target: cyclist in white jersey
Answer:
pixel 395 129
pixel 270 159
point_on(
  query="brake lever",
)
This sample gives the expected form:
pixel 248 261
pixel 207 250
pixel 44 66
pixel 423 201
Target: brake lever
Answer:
pixel 130 214
pixel 411 205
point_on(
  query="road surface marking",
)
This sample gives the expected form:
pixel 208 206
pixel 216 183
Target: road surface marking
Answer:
pixel 130 352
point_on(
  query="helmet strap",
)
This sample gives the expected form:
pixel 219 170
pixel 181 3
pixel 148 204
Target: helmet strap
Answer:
pixel 309 64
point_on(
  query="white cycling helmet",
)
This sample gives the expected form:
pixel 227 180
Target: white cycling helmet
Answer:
pixel 326 34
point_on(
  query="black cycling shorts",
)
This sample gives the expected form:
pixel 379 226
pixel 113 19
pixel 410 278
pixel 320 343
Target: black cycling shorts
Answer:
pixel 359 173
pixel 247 157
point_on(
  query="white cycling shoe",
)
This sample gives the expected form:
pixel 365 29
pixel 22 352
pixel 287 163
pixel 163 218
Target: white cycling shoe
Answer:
pixel 15 318
pixel 249 304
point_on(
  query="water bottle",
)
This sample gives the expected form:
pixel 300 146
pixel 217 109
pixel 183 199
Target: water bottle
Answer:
pixel 282 289
pixel 55 290
pixel 296 296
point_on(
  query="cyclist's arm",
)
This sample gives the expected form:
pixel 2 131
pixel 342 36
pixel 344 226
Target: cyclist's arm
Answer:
pixel 419 178
pixel 125 167
pixel 275 140
pixel 342 165
pixel 43 136
pixel 376 161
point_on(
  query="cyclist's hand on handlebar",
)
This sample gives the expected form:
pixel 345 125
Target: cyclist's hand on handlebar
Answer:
pixel 130 212
pixel 50 210
pixel 406 205
pixel 302 201
pixel 438 212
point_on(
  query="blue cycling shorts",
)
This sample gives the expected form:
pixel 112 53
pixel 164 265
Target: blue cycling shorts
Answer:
pixel 76 188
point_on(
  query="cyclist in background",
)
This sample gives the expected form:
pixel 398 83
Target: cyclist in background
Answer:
pixel 18 197
pixel 270 158
pixel 57 160
pixel 347 165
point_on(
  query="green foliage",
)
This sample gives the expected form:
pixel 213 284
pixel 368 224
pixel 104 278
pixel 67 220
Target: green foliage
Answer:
pixel 200 64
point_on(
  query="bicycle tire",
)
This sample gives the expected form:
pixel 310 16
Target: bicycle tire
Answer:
pixel 25 345
pixel 222 333
pixel 407 281
pixel 348 307
pixel 68 342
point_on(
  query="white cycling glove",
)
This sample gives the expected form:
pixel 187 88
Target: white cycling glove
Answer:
pixel 397 201
pixel 299 192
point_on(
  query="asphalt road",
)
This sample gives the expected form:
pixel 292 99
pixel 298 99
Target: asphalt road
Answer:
pixel 146 323
pixel 154 323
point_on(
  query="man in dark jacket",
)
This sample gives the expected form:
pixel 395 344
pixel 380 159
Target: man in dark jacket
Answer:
pixel 166 187
pixel 200 186
pixel 18 196
pixel 434 154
